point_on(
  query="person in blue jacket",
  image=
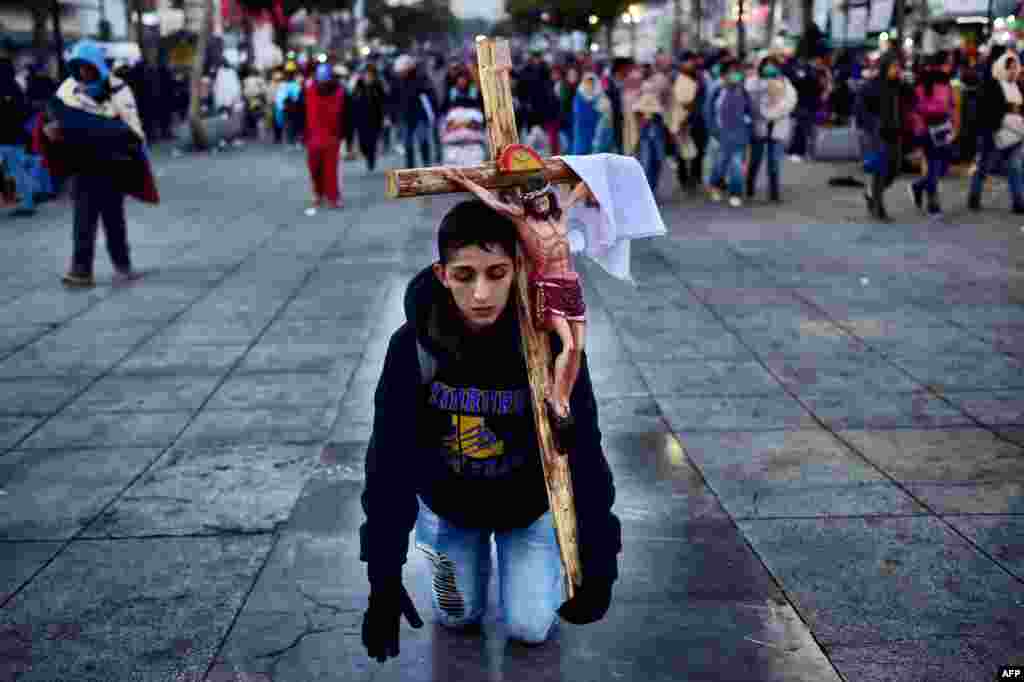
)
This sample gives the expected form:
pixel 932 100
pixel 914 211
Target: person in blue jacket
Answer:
pixel 731 116
pixel 454 454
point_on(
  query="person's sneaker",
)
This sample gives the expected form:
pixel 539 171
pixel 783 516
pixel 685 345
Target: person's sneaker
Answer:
pixel 23 212
pixel 796 158
pixel 916 195
pixel 716 195
pixel 1018 210
pixel 974 204
pixel 735 202
pixel 74 279
pixel 126 276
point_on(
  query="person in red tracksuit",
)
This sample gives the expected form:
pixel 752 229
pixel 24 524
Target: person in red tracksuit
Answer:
pixel 325 109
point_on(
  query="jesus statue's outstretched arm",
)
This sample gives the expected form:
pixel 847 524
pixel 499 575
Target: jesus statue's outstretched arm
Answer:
pixel 485 195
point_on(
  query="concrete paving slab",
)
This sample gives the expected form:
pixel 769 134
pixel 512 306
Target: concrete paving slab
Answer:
pixel 14 429
pixel 204 489
pixel 37 395
pixel 734 413
pixel 247 391
pixel 695 339
pixel 210 333
pixel 123 333
pixel 865 581
pixel 133 393
pixel 1002 536
pixel 865 371
pixel 318 619
pixel 48 357
pixel 956 660
pixel 152 609
pixel 48 306
pixel 709 377
pixel 991 407
pixel 805 338
pixel 279 425
pixel 962 371
pixel 891 410
pixel 300 356
pixel 975 316
pixel 911 341
pixel 14 338
pixel 52 494
pixel 18 561
pixel 805 472
pixel 342 332
pixel 72 429
pixel 940 455
pixel 159 357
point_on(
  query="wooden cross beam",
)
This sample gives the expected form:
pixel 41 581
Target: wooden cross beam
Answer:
pixel 495 62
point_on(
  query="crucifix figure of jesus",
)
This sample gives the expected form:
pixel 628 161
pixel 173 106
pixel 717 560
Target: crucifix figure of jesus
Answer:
pixel 555 285
pixel 513 166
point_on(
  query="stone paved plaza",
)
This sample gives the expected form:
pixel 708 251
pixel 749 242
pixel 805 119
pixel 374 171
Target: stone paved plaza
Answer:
pixel 815 426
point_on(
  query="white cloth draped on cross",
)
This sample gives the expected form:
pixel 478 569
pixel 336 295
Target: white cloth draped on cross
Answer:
pixel 627 211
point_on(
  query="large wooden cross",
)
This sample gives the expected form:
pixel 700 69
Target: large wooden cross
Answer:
pixel 495 62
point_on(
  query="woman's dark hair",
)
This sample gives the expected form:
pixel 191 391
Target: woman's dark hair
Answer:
pixel 474 223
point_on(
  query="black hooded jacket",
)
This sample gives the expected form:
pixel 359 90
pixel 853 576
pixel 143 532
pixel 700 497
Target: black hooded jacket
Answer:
pixel 465 440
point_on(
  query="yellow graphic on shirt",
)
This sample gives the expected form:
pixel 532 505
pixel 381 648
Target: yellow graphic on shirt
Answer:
pixel 473 439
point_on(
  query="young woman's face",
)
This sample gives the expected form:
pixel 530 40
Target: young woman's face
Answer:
pixel 480 282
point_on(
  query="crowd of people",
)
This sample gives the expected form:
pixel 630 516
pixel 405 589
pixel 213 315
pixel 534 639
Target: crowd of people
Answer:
pixel 713 117
pixel 720 121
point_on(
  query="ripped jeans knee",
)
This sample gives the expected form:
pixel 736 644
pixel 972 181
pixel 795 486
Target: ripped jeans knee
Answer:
pixel 456 596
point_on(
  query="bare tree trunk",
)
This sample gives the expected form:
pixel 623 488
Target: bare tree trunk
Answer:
pixel 200 139
pixel 769 28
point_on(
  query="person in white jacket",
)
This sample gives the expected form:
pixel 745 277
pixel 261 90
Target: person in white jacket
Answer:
pixel 773 98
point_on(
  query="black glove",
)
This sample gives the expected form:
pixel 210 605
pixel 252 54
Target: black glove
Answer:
pixel 388 602
pixel 589 604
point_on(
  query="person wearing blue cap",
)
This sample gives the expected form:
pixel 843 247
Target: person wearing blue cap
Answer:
pixel 325 109
pixel 98 138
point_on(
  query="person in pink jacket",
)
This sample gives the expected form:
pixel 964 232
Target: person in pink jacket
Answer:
pixel 935 125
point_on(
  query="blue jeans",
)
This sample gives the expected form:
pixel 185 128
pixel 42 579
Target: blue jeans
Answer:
pixel 805 125
pixel 19 165
pixel 771 152
pixel 529 570
pixel 938 164
pixel 729 162
pixel 413 134
pixel 989 159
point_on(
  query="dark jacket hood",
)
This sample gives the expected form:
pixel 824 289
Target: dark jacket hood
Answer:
pixel 430 309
